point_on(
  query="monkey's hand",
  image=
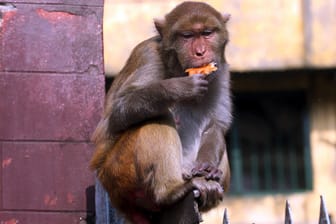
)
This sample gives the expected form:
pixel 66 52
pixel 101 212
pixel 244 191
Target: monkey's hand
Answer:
pixel 207 170
pixel 211 193
pixel 187 87
pixel 204 169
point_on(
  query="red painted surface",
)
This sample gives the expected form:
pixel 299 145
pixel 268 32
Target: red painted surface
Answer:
pixel 49 107
pixel 56 17
pixel 51 38
pixel 11 221
pixel 51 98
pixel 41 217
pixel 47 176
pixel 6 162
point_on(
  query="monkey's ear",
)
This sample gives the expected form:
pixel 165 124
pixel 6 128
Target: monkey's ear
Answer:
pixel 226 17
pixel 159 25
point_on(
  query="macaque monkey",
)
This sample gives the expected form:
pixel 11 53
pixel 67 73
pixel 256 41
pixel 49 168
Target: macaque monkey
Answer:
pixel 162 131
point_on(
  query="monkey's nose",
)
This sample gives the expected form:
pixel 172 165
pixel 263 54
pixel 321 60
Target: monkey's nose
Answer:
pixel 199 52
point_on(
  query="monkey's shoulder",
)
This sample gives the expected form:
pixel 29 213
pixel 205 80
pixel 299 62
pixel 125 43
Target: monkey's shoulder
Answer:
pixel 144 58
pixel 148 50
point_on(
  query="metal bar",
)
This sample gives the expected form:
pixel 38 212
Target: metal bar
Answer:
pixel 280 164
pixel 236 161
pixel 307 152
pixel 288 214
pixel 293 167
pixel 254 170
pixel 268 168
pixel 225 217
pixel 324 216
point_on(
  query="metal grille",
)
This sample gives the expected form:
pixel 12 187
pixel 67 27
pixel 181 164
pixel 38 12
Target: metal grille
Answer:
pixel 269 143
pixel 322 219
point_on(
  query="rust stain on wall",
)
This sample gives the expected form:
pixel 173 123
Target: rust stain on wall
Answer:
pixel 70 198
pixel 54 16
pixel 10 221
pixel 50 200
pixel 6 162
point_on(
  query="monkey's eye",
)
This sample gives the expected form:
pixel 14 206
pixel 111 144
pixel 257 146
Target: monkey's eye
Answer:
pixel 187 35
pixel 207 33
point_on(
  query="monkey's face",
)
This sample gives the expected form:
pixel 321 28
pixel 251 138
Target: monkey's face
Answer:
pixel 197 45
pixel 193 34
pixel 193 39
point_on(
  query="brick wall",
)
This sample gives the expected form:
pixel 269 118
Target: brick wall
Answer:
pixel 51 98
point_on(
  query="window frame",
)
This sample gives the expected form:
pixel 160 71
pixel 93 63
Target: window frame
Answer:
pixel 236 161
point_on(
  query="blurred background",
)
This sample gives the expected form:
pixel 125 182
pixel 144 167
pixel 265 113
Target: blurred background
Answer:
pixel 282 145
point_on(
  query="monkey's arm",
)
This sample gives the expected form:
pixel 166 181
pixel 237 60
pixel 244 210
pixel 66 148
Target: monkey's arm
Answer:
pixel 213 156
pixel 141 101
pixel 211 170
pixel 146 94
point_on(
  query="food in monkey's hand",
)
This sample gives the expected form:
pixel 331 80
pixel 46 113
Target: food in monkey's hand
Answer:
pixel 204 70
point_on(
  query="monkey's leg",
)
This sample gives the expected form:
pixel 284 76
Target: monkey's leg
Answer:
pixel 143 171
pixel 225 167
pixel 159 154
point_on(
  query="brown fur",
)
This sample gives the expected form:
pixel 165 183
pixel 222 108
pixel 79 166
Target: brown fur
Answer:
pixel 131 170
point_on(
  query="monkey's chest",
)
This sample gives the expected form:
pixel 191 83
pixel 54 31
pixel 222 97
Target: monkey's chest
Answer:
pixel 190 127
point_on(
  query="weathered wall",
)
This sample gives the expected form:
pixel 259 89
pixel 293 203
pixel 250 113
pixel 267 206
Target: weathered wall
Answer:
pixel 321 33
pixel 51 97
pixel 264 34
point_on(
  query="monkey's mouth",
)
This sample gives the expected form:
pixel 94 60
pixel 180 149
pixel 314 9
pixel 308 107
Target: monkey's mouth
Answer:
pixel 201 63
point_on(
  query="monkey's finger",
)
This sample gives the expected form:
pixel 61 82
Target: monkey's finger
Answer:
pixel 201 167
pixel 198 76
pixel 203 198
pixel 214 195
pixel 199 173
pixel 203 88
pixel 201 91
pixel 214 174
pixel 211 76
pixel 221 192
pixel 202 81
pixel 187 176
pixel 211 198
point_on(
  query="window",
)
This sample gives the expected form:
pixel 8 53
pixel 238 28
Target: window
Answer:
pixel 269 143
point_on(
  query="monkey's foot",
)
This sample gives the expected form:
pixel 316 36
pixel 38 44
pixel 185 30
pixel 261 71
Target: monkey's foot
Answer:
pixel 210 193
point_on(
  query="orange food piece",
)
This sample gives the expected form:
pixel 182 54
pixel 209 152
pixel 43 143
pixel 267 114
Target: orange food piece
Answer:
pixel 204 70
